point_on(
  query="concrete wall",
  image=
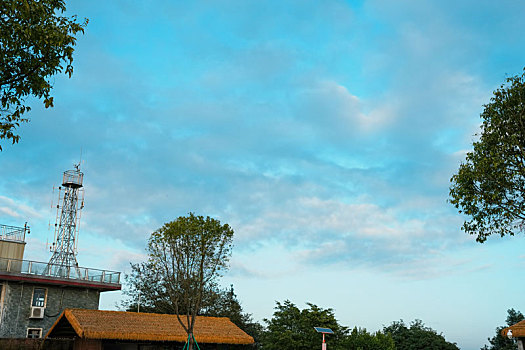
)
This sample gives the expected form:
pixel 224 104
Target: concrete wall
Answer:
pixel 15 306
pixel 12 250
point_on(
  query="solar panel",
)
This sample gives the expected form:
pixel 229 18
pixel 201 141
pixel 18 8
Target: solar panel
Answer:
pixel 324 330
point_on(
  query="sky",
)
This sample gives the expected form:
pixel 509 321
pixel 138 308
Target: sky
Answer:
pixel 325 133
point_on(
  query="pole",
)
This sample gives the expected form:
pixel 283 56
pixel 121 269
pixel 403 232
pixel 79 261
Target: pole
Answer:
pixel 324 344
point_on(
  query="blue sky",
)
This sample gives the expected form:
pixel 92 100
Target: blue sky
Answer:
pixel 325 133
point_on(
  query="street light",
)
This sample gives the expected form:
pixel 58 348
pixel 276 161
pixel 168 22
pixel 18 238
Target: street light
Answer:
pixel 324 331
pixel 509 334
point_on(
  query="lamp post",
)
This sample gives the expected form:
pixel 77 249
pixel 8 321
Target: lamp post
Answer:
pixel 324 331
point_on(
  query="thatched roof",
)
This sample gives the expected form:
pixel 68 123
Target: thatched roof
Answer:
pixel 518 330
pixel 120 325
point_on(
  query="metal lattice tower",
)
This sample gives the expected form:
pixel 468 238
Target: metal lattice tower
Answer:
pixel 63 263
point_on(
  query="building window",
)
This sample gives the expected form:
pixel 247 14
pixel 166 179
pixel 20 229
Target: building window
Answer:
pixel 39 297
pixel 34 332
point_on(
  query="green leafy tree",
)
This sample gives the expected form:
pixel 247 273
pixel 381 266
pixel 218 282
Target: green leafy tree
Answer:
pixel 489 187
pixel 499 342
pixel 146 291
pixel 37 42
pixel 224 303
pixel 360 339
pixel 188 255
pixel 417 337
pixel 293 329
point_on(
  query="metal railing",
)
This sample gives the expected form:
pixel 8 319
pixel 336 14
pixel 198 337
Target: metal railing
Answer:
pixel 38 268
pixel 13 233
pixel 72 177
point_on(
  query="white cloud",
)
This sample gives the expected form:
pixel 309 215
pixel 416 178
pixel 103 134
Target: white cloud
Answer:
pixel 9 212
pixel 18 210
pixel 336 111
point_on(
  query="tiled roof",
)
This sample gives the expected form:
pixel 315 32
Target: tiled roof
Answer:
pixel 518 330
pixel 120 325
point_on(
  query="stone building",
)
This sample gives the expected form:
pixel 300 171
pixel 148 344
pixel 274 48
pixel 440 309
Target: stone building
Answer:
pixel 33 294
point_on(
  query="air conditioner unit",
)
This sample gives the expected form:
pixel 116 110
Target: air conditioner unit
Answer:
pixel 37 312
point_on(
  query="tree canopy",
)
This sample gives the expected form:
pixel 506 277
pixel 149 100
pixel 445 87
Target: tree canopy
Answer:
pixel 499 342
pixel 37 42
pixel 360 339
pixel 417 336
pixel 146 291
pixel 293 328
pixel 187 256
pixel 489 187
pixel 226 304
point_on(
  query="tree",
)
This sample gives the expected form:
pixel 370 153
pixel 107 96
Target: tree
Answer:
pixel 417 337
pixel 224 303
pixel 36 43
pixel 188 255
pixel 360 339
pixel 499 342
pixel 293 329
pixel 146 291
pixel 490 185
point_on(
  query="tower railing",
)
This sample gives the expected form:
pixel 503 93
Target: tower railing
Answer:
pixel 13 233
pixel 44 269
pixel 72 178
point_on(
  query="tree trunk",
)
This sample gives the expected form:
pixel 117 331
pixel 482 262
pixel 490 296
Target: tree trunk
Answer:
pixel 190 345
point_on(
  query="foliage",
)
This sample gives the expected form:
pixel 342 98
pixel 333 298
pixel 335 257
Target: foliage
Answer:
pixel 417 337
pixel 188 255
pixel 360 339
pixel 499 342
pixel 224 303
pixel 146 291
pixel 293 329
pixel 490 185
pixel 36 43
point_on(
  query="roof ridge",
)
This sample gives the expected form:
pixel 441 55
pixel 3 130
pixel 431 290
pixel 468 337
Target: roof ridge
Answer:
pixel 68 314
pixel 142 313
